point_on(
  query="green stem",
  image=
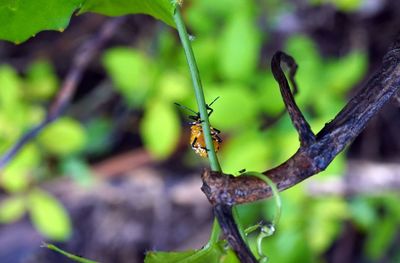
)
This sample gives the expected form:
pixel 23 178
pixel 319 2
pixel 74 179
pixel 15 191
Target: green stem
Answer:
pixel 198 90
pixel 201 104
pixel 67 254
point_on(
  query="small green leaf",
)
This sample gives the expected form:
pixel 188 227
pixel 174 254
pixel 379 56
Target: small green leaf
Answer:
pixel 10 92
pixel 48 215
pixel 12 209
pixel 63 137
pixel 22 19
pixel 41 82
pixel 78 170
pixel 160 9
pixel 131 72
pixel 209 255
pixel 160 129
pixel 15 177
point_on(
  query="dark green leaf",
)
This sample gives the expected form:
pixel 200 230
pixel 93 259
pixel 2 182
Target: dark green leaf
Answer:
pixel 22 19
pixel 160 9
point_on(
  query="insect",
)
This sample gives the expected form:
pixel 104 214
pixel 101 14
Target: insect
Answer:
pixel 197 140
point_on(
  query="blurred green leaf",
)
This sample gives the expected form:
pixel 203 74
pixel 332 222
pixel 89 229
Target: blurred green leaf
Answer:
pixel 131 71
pixel 239 47
pixel 363 213
pixel 246 151
pixel 11 209
pixel 63 137
pixel 48 215
pixel 78 170
pixel 160 9
pixel 15 177
pixel 41 81
pixel 160 129
pixel 342 74
pixel 99 140
pixel 173 87
pixel 209 255
pixel 344 5
pixel 235 100
pixel 269 96
pixel 379 237
pixel 10 92
pixel 326 222
pixel 42 15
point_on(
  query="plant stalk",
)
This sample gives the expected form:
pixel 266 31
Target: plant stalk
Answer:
pixel 201 104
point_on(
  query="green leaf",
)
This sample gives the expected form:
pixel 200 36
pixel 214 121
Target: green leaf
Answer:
pixel 48 215
pixel 78 170
pixel 41 82
pixel 209 255
pixel 99 129
pixel 248 151
pixel 22 19
pixel 131 72
pixel 239 47
pixel 63 137
pixel 345 72
pixel 380 237
pixel 160 129
pixel 235 100
pixel 12 209
pixel 15 177
pixel 160 9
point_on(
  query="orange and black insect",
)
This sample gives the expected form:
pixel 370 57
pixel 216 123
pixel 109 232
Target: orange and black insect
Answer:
pixel 197 140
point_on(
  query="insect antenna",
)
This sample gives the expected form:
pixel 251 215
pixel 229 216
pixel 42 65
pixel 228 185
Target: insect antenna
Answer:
pixel 186 108
pixel 213 101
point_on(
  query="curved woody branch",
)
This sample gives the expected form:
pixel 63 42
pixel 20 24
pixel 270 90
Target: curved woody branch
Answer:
pixel 315 152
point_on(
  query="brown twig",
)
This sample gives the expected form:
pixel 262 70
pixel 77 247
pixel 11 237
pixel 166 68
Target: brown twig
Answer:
pixel 315 152
pixel 80 62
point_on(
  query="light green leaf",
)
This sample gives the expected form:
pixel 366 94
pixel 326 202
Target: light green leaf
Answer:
pixel 239 47
pixel 41 81
pixel 12 209
pixel 48 215
pixel 160 129
pixel 22 19
pixel 235 100
pixel 131 71
pixel 344 73
pixel 247 151
pixel 160 9
pixel 63 137
pixel 10 92
pixel 173 87
pixel 15 177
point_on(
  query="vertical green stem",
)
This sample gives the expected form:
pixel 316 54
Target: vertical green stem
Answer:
pixel 201 104
pixel 198 90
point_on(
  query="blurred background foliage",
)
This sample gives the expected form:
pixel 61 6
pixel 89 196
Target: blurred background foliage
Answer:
pixel 233 47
